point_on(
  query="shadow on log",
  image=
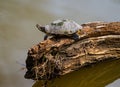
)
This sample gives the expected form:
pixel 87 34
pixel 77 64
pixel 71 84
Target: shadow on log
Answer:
pixel 58 56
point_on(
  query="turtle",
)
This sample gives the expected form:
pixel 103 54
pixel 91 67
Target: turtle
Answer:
pixel 62 27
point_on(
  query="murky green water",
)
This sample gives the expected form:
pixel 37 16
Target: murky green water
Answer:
pixel 18 33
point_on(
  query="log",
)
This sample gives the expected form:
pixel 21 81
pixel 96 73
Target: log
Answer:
pixel 58 56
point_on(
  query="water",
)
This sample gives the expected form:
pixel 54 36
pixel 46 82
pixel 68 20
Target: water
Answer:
pixel 18 33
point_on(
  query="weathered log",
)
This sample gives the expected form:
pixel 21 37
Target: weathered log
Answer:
pixel 59 56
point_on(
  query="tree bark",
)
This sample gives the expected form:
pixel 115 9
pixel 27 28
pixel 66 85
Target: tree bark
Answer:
pixel 58 56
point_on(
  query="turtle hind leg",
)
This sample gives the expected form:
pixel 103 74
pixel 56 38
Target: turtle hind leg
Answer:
pixel 75 37
pixel 45 37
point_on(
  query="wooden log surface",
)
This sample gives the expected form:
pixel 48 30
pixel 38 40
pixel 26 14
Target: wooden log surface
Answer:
pixel 58 56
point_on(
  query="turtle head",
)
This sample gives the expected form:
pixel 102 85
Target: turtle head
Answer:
pixel 41 28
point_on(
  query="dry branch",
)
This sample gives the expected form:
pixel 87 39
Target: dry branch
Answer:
pixel 59 56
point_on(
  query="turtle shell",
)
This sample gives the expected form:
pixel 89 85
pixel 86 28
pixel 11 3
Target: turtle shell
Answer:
pixel 62 27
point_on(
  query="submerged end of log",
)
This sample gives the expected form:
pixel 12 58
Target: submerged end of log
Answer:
pixel 58 56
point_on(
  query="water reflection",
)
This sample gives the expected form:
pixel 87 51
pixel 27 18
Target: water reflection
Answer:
pixel 18 32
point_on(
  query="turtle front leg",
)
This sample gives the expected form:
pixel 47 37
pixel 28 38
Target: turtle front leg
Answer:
pixel 45 37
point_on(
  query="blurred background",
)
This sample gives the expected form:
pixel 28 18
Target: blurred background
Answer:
pixel 18 32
